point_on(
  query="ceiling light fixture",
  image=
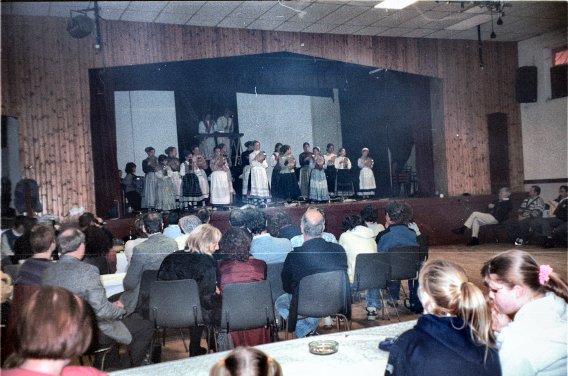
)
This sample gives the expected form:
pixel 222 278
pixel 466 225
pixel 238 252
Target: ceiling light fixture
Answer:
pixel 493 35
pixel 395 4
pixel 81 25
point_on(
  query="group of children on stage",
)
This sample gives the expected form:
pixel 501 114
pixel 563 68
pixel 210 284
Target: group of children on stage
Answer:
pixel 171 184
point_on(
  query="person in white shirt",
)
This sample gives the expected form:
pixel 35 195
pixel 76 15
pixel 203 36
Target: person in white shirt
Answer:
pixel 529 314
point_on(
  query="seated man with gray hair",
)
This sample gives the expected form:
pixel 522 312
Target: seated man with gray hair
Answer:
pixel 314 256
pixel 498 211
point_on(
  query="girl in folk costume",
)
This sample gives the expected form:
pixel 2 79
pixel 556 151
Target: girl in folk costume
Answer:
pixel 165 196
pixel 199 171
pixel 207 126
pixel 174 164
pixel 191 191
pixel 318 182
pixel 260 189
pixel 330 171
pixel 246 168
pixel 343 183
pixel 149 166
pixel 305 160
pixel 221 186
pixel 287 182
pixel 367 183
pixel 273 165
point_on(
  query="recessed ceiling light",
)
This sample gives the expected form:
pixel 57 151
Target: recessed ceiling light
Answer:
pixel 395 4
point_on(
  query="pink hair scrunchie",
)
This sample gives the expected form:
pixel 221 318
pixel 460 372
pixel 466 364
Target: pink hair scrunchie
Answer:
pixel 544 274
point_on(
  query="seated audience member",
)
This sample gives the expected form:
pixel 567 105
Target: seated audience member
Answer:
pixel 238 266
pixel 247 361
pixel 397 235
pixel 520 230
pixel 22 246
pixel 84 280
pixel 298 240
pixel 173 230
pixel 498 212
pixel 454 335
pixel 146 256
pixel 187 225
pixel 314 256
pixel 197 262
pixel 370 216
pixel 42 239
pixel 140 237
pixel 238 218
pixel 52 328
pixel 264 246
pixel 281 221
pixel 9 236
pixel 99 249
pixel 547 229
pixel 204 214
pixel 356 239
pixel 529 313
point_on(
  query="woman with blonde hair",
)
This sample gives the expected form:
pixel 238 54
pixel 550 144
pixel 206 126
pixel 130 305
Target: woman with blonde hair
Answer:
pixel 246 361
pixel 454 335
pixel 197 262
pixel 529 314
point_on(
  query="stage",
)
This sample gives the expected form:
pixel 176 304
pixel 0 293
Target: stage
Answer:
pixel 435 216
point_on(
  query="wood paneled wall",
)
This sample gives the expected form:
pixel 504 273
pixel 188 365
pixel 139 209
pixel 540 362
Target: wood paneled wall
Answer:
pixel 45 85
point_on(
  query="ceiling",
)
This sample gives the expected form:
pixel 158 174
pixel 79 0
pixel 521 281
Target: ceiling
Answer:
pixel 425 19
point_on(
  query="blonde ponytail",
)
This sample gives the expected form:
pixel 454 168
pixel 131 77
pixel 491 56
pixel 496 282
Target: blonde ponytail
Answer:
pixel 246 360
pixel 474 310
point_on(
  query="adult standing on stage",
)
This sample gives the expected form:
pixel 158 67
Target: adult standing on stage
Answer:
pixel 318 182
pixel 174 164
pixel 330 170
pixel 287 182
pixel 207 126
pixel 260 190
pixel 199 171
pixel 246 168
pixel 343 183
pixel 367 184
pixel 273 168
pixel 221 185
pixel 305 159
pixel 191 190
pixel 149 166
pixel 225 124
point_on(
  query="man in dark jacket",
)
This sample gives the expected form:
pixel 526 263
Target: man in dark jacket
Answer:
pixel 314 256
pixel 497 213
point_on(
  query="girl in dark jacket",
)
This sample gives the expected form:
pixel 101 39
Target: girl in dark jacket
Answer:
pixel 454 335
pixel 197 262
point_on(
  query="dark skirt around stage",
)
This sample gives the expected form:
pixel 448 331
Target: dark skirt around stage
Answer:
pixel 288 186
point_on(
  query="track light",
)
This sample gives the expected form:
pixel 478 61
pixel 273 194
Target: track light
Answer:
pixel 499 21
pixel 493 35
pixel 80 26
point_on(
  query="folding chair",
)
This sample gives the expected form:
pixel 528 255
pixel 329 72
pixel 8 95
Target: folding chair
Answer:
pixel 372 272
pixel 404 265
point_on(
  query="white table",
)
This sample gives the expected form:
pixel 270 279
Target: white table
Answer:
pixel 358 354
pixel 113 283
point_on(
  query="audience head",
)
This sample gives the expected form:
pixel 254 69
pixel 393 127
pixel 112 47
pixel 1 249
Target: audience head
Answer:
pixel 98 241
pixel 88 219
pixel 351 221
pixel 70 241
pixel 189 223
pixel 42 238
pixel 235 244
pixel 130 168
pixel 173 218
pixel 504 193
pixel 276 221
pixel 52 324
pixel 514 278
pixel 139 226
pixel 204 215
pixel 313 222
pixel 25 224
pixel 277 147
pixel 445 290
pixel 396 212
pixel 237 218
pixel 256 221
pixel 19 223
pixel 153 223
pixel 408 213
pixel 204 239
pixel 370 214
pixel 247 361
pixel 534 191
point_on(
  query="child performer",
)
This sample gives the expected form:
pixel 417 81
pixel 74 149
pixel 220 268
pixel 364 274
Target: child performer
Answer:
pixel 260 190
pixel 174 164
pixel 305 159
pixel 318 182
pixel 343 183
pixel 287 182
pixel 330 171
pixel 165 196
pixel 191 190
pixel 149 166
pixel 367 183
pixel 200 172
pixel 221 187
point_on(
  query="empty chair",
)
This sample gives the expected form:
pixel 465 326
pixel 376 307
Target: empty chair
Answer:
pixel 372 272
pixel 321 295
pixel 248 306
pixel 175 304
pixel 274 276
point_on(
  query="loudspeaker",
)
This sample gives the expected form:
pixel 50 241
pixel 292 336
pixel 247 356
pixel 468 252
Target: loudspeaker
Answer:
pixel 526 84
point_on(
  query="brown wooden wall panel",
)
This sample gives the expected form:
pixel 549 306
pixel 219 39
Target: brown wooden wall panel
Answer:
pixel 45 84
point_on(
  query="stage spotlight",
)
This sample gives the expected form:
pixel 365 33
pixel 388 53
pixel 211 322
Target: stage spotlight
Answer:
pixel 80 26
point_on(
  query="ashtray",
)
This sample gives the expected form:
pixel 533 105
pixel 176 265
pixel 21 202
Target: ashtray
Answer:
pixel 324 347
